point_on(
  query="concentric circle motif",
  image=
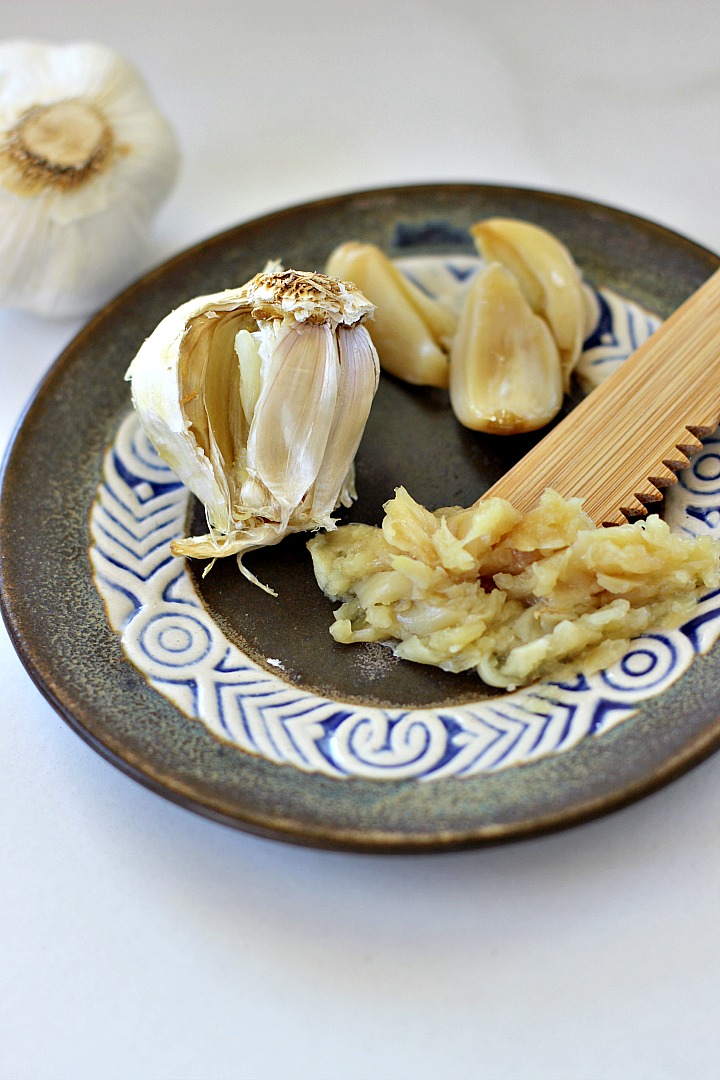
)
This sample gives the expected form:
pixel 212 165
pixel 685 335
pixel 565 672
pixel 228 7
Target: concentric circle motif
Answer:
pixel 169 636
pixel 649 663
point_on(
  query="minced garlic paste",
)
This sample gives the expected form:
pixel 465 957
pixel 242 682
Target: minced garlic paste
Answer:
pixel 517 597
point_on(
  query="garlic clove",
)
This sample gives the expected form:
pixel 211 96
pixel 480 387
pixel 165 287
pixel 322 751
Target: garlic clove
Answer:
pixel 359 372
pixel 505 374
pixel 411 332
pixel 86 160
pixel 292 420
pixel 548 276
pixel 248 354
pixel 257 398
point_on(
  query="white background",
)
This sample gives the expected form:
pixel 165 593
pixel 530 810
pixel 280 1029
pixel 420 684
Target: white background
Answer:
pixel 139 941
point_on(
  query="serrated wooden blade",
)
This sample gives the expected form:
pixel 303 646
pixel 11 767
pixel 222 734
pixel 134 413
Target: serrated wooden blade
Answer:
pixel 625 441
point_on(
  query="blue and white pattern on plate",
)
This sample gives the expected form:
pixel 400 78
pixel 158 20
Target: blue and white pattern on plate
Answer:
pixel 167 633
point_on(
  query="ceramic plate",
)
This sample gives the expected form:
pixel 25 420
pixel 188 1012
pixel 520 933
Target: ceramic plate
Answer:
pixel 240 706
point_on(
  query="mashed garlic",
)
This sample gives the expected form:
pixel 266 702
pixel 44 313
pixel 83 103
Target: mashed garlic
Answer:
pixel 516 597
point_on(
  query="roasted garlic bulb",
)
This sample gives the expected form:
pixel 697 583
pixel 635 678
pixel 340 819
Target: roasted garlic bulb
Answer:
pixel 547 275
pixel 411 332
pixel 505 374
pixel 257 398
pixel 85 161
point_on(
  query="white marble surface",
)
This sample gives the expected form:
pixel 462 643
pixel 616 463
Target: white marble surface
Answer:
pixel 139 941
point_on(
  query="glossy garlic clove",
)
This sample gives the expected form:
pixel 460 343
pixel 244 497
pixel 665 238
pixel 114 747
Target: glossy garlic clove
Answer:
pixel 548 276
pixel 411 332
pixel 505 374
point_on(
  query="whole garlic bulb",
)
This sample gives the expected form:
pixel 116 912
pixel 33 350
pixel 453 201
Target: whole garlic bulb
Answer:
pixel 85 161
pixel 257 398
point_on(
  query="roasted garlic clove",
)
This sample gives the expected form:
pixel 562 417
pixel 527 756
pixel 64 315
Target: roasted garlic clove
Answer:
pixel 548 276
pixel 257 398
pixel 411 332
pixel 505 374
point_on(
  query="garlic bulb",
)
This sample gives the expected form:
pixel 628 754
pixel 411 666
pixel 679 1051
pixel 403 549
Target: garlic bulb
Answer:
pixel 411 332
pixel 85 161
pixel 257 398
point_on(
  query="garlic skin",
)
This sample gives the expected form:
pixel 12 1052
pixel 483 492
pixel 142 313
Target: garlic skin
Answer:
pixel 85 162
pixel 257 398
pixel 411 332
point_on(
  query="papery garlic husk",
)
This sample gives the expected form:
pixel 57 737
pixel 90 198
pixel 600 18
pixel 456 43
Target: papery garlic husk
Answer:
pixel 548 276
pixel 86 159
pixel 505 373
pixel 411 332
pixel 257 398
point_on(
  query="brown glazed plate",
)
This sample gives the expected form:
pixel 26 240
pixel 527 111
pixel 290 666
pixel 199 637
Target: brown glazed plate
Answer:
pixel 437 794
